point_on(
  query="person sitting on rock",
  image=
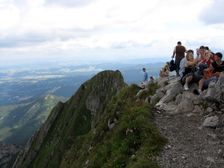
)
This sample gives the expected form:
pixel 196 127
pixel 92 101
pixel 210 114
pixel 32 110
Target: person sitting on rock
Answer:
pixel 151 79
pixel 164 72
pixel 187 69
pixel 212 73
pixel 204 59
pixel 143 85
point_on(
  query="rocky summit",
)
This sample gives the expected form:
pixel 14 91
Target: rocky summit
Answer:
pixel 192 123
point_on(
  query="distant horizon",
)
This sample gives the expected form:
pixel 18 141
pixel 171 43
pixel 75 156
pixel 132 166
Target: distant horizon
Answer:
pixel 74 62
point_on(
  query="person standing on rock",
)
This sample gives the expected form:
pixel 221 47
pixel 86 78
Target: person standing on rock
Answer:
pixel 143 84
pixel 145 78
pixel 178 53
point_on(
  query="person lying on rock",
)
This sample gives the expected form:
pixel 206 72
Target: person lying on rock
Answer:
pixel 212 73
pixel 187 69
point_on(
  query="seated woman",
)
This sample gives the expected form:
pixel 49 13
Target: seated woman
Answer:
pixel 164 72
pixel 187 69
pixel 204 61
pixel 212 73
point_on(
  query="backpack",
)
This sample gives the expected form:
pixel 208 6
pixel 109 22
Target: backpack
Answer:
pixel 172 65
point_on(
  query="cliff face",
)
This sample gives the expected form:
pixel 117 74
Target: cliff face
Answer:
pixel 102 125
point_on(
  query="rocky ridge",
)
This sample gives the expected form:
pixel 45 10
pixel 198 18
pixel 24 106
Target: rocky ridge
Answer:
pixel 193 124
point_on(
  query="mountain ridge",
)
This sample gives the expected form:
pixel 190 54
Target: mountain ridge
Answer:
pixel 102 125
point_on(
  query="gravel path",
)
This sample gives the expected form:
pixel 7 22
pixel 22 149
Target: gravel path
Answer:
pixel 189 144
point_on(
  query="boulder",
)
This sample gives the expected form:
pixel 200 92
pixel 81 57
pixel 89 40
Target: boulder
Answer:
pixel 172 92
pixel 197 109
pixel 211 122
pixel 221 121
pixel 185 106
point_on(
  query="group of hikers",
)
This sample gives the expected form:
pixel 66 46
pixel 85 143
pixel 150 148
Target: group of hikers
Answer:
pixel 206 67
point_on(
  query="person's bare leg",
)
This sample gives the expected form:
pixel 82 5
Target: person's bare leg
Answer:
pixel 187 81
pixel 200 85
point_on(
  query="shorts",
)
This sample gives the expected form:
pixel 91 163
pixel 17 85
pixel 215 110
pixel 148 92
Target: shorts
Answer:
pixel 183 79
pixel 195 79
pixel 206 82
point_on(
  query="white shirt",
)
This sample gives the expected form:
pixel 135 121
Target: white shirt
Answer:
pixel 183 64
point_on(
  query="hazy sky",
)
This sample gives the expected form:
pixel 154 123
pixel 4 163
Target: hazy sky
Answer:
pixel 107 29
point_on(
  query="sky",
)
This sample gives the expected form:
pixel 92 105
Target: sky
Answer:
pixel 109 30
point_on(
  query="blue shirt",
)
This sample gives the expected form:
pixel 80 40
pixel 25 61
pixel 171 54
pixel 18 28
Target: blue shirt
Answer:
pixel 145 79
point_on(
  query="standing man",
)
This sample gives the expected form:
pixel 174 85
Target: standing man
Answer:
pixel 145 78
pixel 179 53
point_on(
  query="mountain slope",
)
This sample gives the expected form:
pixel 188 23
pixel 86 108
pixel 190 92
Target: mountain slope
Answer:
pixel 19 122
pixel 102 125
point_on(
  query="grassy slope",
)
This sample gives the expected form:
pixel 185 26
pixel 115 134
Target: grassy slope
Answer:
pixel 133 142
pixel 75 120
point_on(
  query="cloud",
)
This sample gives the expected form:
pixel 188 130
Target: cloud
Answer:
pixel 213 14
pixel 130 44
pixel 27 39
pixel 91 29
pixel 69 3
pixel 59 38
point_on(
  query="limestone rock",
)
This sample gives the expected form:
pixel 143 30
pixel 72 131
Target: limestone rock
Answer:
pixel 211 122
pixel 175 89
pixel 154 99
pixel 197 109
pixel 221 121
pixel 185 106
pixel 209 110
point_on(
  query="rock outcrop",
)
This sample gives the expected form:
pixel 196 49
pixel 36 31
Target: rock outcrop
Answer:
pixel 192 123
